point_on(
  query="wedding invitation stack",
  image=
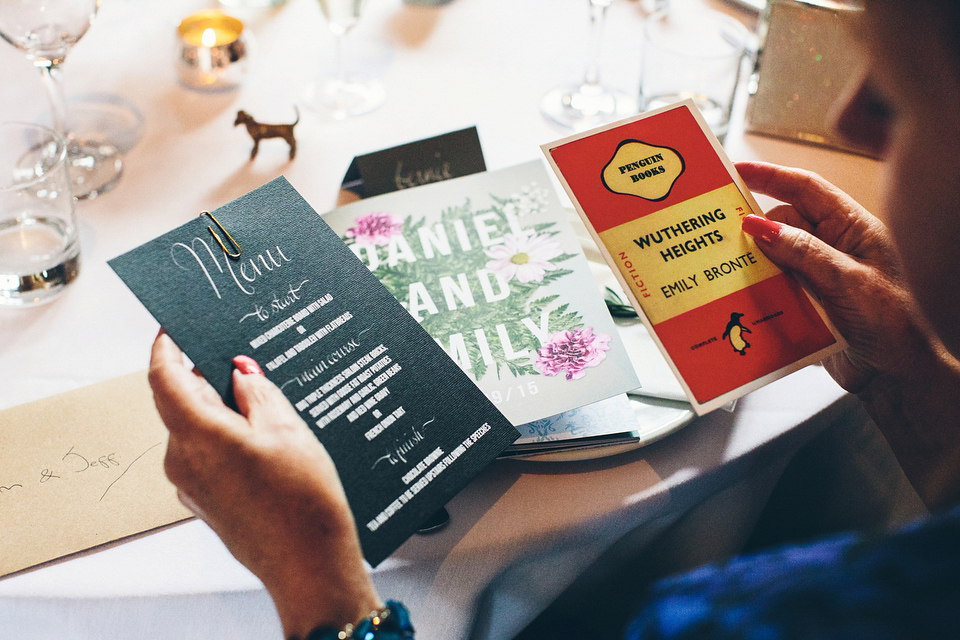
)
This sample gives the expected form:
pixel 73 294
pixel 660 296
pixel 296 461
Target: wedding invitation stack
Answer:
pixel 665 205
pixel 265 276
pixel 490 267
pixel 457 154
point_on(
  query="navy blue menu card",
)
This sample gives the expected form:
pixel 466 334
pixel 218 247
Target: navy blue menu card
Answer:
pixel 406 428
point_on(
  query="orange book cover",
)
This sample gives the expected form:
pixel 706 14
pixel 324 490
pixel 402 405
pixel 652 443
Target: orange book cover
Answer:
pixel 664 204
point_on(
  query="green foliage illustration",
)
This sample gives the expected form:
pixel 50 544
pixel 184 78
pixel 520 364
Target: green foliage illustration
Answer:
pixel 525 299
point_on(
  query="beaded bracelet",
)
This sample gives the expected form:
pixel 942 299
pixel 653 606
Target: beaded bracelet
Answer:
pixel 392 622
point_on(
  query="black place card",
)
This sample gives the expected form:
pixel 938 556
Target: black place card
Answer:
pixel 442 157
pixel 404 425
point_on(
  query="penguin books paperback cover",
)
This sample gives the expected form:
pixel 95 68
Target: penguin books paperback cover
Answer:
pixel 664 204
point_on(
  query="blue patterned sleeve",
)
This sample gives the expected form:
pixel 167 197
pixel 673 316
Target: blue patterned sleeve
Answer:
pixel 904 585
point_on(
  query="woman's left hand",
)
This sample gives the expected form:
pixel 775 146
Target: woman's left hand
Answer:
pixel 847 258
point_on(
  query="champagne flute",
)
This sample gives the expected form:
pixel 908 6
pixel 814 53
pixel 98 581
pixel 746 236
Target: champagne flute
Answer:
pixel 45 30
pixel 589 103
pixel 343 94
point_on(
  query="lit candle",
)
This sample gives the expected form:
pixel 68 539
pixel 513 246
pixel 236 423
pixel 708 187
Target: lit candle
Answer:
pixel 205 53
pixel 212 51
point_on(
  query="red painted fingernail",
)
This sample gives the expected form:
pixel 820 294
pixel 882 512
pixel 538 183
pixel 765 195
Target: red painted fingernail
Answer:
pixel 246 365
pixel 762 228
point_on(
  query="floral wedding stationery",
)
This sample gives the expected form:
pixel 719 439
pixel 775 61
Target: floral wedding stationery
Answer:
pixel 490 267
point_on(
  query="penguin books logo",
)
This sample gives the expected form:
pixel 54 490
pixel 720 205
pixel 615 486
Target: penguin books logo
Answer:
pixel 734 333
pixel 642 170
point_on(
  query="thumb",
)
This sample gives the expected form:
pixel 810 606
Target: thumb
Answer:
pixel 258 399
pixel 819 264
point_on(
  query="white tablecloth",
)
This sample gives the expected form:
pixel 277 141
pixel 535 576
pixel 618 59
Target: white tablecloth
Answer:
pixel 471 62
pixel 551 519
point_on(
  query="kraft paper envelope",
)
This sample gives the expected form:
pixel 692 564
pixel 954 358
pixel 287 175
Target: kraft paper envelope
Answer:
pixel 81 469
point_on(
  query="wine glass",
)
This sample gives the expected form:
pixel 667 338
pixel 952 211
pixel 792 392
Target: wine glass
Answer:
pixel 45 30
pixel 343 94
pixel 588 103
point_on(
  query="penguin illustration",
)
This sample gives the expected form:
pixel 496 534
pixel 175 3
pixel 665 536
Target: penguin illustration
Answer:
pixel 735 331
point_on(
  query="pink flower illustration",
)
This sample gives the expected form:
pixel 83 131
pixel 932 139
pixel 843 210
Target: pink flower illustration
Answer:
pixel 374 228
pixel 571 352
pixel 524 257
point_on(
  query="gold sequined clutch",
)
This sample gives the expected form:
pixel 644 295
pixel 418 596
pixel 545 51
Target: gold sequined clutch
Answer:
pixel 806 60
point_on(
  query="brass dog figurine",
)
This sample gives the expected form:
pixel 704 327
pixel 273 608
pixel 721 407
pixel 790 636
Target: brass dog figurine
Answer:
pixel 259 131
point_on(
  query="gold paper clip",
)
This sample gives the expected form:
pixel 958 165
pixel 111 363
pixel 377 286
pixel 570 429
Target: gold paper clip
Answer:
pixel 229 253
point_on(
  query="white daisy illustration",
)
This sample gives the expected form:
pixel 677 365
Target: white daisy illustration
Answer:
pixel 524 257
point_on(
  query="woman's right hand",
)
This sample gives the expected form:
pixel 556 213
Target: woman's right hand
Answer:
pixel 848 259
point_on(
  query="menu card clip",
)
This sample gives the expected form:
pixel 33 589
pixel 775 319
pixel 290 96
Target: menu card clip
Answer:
pixel 231 254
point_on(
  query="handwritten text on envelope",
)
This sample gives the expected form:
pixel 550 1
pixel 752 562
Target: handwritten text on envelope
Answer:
pixel 81 469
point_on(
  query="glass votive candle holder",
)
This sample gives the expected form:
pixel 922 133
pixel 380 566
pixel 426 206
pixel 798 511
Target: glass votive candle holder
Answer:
pixel 212 51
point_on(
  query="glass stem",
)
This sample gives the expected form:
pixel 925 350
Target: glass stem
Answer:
pixel 58 106
pixel 339 71
pixel 598 14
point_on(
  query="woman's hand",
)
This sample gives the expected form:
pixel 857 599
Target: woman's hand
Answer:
pixel 847 258
pixel 267 487
pixel 907 380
